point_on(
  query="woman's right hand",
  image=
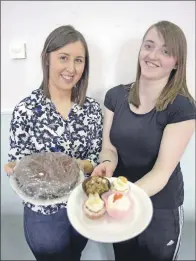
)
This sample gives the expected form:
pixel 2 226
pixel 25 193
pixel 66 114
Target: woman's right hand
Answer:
pixel 103 169
pixel 9 167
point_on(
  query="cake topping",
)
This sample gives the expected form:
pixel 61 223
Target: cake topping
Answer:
pixel 118 202
pixel 41 174
pixel 47 175
pixel 121 184
pixel 117 196
pixel 94 202
pixel 95 185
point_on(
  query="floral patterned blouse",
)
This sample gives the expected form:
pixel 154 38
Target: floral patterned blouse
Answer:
pixel 37 126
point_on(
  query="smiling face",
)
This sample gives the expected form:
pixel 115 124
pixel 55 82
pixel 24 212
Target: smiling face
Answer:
pixel 66 66
pixel 155 60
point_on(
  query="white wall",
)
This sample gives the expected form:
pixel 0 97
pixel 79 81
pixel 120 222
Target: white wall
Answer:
pixel 113 31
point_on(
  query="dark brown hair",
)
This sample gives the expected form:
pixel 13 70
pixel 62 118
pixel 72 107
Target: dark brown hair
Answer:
pixel 57 39
pixel 177 46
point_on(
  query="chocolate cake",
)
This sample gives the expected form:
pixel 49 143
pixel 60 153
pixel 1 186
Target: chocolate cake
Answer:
pixel 47 175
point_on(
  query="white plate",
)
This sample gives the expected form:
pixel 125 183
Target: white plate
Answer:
pixel 42 202
pixel 107 229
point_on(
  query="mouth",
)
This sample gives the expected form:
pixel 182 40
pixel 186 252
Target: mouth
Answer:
pixel 151 64
pixel 67 78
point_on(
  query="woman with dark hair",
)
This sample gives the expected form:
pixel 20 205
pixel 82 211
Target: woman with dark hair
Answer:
pixel 147 126
pixel 57 117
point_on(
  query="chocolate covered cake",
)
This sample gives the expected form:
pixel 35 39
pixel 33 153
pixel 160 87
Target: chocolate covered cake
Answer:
pixel 47 175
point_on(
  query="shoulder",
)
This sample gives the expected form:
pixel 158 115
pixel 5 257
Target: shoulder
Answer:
pixel 182 108
pixel 181 100
pixel 121 90
pixel 91 103
pixel 182 103
pixel 26 105
pixel 116 96
pixel 92 108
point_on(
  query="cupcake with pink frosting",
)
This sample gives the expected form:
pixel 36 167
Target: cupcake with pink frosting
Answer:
pixel 118 205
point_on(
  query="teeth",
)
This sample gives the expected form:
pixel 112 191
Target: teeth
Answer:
pixel 66 77
pixel 151 64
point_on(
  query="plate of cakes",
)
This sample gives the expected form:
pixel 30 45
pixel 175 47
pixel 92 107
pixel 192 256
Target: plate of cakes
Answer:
pixel 109 210
pixel 46 178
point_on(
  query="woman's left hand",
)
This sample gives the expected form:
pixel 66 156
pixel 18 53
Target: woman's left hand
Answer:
pixel 80 164
pixel 85 165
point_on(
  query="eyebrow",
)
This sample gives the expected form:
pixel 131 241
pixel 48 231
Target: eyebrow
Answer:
pixel 69 55
pixel 150 41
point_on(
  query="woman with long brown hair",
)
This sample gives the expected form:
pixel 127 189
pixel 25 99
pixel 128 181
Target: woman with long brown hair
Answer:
pixel 57 117
pixel 147 126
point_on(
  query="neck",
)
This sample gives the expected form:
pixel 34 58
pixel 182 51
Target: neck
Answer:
pixel 59 96
pixel 151 88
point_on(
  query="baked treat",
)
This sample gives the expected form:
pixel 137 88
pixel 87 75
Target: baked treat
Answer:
pixel 47 175
pixel 120 184
pixel 118 205
pixel 96 184
pixel 94 206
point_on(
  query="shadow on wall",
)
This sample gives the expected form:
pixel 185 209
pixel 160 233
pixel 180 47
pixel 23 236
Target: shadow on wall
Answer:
pixel 126 66
pixel 96 76
pixel 124 70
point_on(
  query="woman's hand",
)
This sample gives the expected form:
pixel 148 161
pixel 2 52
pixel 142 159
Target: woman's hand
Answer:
pixel 85 165
pixel 103 169
pixel 80 164
pixel 9 167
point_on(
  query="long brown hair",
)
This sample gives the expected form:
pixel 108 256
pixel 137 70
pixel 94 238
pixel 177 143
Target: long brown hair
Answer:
pixel 58 38
pixel 177 46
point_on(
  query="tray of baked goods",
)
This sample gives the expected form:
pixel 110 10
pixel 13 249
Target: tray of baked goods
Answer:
pixel 109 210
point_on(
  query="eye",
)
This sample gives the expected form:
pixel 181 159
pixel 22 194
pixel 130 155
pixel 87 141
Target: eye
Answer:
pixel 63 58
pixel 165 52
pixel 147 46
pixel 78 60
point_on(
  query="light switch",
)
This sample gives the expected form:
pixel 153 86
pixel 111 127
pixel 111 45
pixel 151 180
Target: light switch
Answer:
pixel 17 50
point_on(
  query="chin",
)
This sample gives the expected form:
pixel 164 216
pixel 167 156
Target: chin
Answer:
pixel 149 76
pixel 66 88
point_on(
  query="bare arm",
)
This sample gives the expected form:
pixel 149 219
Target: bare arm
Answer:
pixel 108 151
pixel 175 139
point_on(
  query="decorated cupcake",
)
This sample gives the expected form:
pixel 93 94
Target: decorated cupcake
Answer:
pixel 96 184
pixel 120 184
pixel 94 206
pixel 118 205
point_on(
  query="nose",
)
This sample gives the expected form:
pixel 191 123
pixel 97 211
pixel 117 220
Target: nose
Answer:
pixel 70 67
pixel 153 54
